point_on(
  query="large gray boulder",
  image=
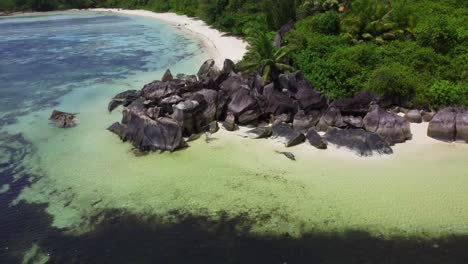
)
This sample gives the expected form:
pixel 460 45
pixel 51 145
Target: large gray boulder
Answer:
pixel 310 100
pixel 241 102
pixel 361 142
pixel 315 139
pixel 187 114
pixel 462 125
pixel 449 124
pixel 443 125
pixel 147 134
pixel 157 90
pixel 331 118
pixel 210 111
pixel 391 127
pixel 278 103
pixel 233 83
pixel 287 135
pixel 302 121
pixel 208 70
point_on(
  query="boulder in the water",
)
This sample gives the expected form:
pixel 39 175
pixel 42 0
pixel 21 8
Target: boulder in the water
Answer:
pixel 363 143
pixel 63 119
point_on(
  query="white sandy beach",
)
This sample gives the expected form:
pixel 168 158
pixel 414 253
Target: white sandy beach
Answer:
pixel 217 44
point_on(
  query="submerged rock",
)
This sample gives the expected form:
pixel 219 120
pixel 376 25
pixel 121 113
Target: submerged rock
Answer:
pixel 63 119
pixel 287 135
pixel 356 106
pixel 363 143
pixel 288 155
pixel 391 127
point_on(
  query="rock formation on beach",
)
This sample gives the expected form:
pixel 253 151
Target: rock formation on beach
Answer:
pixel 163 113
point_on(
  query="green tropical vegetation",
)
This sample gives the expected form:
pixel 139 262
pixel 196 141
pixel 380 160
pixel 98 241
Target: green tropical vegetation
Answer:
pixel 412 52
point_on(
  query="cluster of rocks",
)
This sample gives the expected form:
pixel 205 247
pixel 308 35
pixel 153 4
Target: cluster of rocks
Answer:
pixel 165 114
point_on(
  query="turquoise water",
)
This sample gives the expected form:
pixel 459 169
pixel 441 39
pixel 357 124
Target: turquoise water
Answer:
pixel 80 195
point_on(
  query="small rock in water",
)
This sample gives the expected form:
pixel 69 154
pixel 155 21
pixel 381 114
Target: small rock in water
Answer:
pixel 288 155
pixel 63 119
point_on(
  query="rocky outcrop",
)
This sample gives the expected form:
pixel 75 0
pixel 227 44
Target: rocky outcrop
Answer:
pixel 123 98
pixel 285 134
pixel 363 143
pixel 147 134
pixel 63 119
pixel 331 118
pixel 208 70
pixel 315 139
pixel 302 121
pixel 391 127
pixel 449 124
pixel 167 77
pixel 356 106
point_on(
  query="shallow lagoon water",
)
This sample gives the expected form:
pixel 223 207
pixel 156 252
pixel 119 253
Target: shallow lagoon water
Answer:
pixel 80 176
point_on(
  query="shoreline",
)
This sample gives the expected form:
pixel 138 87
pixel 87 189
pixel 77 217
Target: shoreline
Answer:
pixel 219 45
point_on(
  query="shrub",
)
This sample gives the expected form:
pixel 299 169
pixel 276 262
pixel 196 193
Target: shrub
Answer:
pixel 444 93
pixel 325 23
pixel 396 83
pixel 436 32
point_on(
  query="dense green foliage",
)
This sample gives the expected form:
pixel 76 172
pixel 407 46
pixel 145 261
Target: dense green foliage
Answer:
pixel 411 52
pixel 414 52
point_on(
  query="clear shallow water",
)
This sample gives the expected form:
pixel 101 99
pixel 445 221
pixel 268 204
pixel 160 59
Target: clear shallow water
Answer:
pixel 80 195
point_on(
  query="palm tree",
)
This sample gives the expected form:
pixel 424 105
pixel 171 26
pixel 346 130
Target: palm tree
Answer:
pixel 264 57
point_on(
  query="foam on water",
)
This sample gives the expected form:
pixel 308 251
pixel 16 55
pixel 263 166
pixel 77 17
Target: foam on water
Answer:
pixel 86 170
